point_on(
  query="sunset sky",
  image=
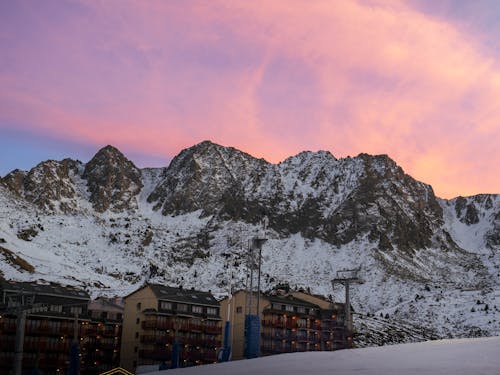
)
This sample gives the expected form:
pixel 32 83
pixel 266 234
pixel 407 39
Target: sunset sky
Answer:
pixel 417 80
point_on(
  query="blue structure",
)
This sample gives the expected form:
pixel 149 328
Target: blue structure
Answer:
pixel 74 360
pixel 225 353
pixel 175 355
pixel 252 336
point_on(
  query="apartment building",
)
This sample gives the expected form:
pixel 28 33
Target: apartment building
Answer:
pixel 54 314
pixel 156 317
pixel 101 348
pixel 290 322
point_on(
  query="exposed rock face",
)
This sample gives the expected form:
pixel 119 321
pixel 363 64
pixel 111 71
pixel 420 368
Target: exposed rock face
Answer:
pixel 112 180
pixel 208 177
pixel 48 185
pixel 390 206
pixel 474 210
pixel 466 211
pixel 311 193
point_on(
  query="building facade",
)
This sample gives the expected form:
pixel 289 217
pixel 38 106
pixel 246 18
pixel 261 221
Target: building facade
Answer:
pixel 292 322
pixel 102 341
pixel 160 321
pixel 54 317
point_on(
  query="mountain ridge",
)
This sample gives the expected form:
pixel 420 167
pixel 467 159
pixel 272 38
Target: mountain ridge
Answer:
pixel 109 226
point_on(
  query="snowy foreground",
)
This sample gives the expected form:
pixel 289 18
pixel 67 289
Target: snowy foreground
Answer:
pixel 456 357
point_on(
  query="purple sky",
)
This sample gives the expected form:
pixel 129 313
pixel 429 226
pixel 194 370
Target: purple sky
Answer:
pixel 417 80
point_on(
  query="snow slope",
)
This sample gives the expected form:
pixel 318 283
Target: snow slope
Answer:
pixel 443 357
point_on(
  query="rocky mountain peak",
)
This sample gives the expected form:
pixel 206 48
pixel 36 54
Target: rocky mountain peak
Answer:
pixel 14 181
pixel 46 185
pixel 204 177
pixel 112 180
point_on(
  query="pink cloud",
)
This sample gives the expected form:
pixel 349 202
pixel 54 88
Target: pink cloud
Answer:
pixel 270 78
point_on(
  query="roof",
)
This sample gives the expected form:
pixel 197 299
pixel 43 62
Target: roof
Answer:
pixel 291 300
pixel 54 290
pixel 105 304
pixel 190 296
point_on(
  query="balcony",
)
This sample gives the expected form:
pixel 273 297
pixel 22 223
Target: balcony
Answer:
pixel 274 323
pixel 154 339
pixel 8 327
pixel 89 330
pixel 109 332
pixel 213 329
pixel 156 354
pixel 53 362
pixel 195 327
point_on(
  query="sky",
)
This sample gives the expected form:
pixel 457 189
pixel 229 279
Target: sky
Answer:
pixel 418 80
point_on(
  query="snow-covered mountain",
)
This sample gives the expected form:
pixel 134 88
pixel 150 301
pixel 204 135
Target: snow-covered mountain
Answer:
pixel 431 266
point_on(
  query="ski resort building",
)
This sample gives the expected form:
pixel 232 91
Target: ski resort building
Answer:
pixel 104 335
pixel 45 321
pixel 293 322
pixel 169 327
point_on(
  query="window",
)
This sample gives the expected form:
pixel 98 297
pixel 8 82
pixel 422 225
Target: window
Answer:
pixel 55 308
pixel 135 349
pixel 212 311
pixel 165 305
pixel 239 310
pixel 301 310
pixel 75 310
pixel 288 307
pixel 138 306
pixel 276 306
pixel 137 335
pixel 198 309
pixel 137 321
pixel 182 307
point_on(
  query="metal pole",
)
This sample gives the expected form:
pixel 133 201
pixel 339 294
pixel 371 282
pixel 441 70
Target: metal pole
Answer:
pixel 250 254
pixel 348 307
pixel 258 280
pixel 75 329
pixel 20 325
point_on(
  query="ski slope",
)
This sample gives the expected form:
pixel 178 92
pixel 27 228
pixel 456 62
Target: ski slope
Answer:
pixel 455 357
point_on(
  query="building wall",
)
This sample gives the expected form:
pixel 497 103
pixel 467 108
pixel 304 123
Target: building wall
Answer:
pixel 104 337
pixel 238 306
pixel 132 325
pixel 323 330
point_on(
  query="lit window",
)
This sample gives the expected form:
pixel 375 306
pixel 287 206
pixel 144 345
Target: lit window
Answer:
pixel 198 309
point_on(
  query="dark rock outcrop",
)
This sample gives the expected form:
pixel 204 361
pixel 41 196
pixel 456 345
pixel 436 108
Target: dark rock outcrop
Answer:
pixel 48 185
pixel 112 180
